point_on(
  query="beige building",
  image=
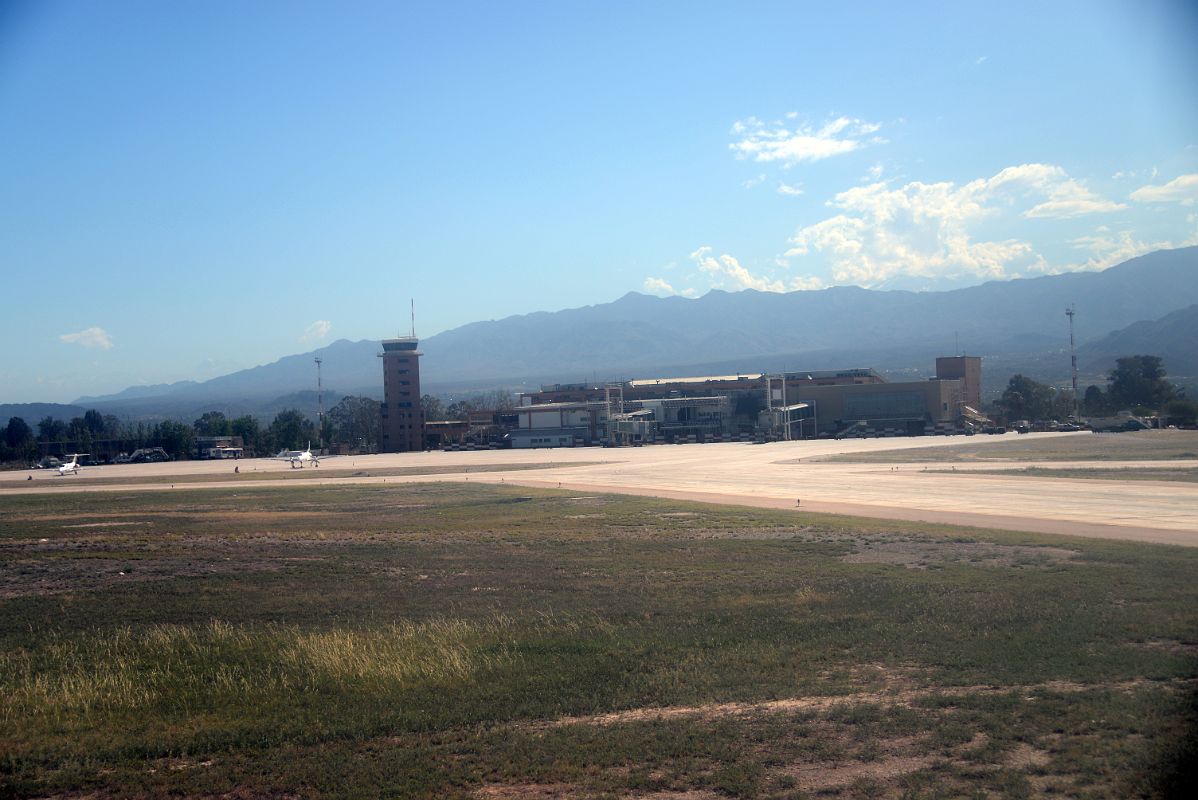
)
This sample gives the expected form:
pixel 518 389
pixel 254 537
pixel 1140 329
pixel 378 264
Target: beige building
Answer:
pixel 821 402
pixel 968 370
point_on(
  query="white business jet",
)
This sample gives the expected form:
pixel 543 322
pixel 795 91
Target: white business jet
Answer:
pixel 71 466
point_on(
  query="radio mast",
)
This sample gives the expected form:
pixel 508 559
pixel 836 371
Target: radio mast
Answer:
pixel 1069 312
pixel 319 407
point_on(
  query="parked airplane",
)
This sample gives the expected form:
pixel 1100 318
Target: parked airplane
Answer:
pixel 71 466
pixel 299 457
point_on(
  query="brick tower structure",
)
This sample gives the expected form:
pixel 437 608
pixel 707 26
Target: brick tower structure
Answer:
pixel 403 418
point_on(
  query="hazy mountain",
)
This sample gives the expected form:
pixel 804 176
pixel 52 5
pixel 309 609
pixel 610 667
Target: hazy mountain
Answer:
pixel 1173 337
pixel 1018 324
pixel 639 333
pixel 138 392
pixel 32 413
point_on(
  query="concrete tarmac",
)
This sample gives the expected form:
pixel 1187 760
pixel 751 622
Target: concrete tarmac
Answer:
pixel 778 475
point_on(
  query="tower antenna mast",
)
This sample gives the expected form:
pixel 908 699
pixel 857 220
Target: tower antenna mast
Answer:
pixel 1069 312
pixel 413 317
pixel 319 406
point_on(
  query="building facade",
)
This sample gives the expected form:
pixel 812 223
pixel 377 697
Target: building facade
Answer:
pixel 968 370
pixel 402 416
pixel 807 403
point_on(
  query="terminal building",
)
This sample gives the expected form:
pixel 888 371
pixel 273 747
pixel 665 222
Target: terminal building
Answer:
pixel 752 406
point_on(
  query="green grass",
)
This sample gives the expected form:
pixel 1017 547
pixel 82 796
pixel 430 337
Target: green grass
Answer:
pixel 1181 474
pixel 436 639
pixel 1132 446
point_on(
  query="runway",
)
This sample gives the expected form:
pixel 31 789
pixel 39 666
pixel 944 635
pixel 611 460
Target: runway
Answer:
pixel 778 475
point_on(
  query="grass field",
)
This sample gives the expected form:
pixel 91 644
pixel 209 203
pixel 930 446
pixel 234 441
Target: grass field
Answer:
pixel 1133 446
pixel 333 469
pixel 446 640
pixel 1179 474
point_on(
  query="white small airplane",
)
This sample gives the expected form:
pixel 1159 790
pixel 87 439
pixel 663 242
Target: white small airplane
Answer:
pixel 71 466
pixel 299 457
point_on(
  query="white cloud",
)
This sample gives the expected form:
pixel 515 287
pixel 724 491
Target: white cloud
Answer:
pixel 790 191
pixel 88 337
pixel 316 331
pixel 1182 189
pixel 1072 207
pixel 751 182
pixel 779 142
pixel 981 60
pixel 1066 197
pixel 1108 248
pixel 658 286
pixel 809 283
pixel 726 271
pixel 927 230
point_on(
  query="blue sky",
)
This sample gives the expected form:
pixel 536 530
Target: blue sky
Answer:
pixel 190 188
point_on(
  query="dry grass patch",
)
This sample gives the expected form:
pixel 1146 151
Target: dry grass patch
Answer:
pixel 921 554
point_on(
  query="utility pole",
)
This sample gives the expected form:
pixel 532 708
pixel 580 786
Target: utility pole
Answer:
pixel 319 408
pixel 1069 312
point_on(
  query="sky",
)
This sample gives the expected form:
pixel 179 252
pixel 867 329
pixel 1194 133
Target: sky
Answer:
pixel 191 188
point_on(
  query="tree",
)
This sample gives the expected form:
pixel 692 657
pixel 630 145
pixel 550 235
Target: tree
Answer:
pixel 212 423
pixel 500 400
pixel 1025 398
pixel 51 430
pixel 16 441
pixel 79 433
pixel 459 409
pixel 1061 406
pixel 94 422
pixel 1139 382
pixel 18 433
pixel 356 421
pixel 291 430
pixel 1094 401
pixel 113 428
pixel 173 437
pixel 1178 412
pixel 251 434
pixel 432 408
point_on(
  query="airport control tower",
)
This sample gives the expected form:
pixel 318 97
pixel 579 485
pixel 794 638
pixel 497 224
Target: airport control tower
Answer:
pixel 403 419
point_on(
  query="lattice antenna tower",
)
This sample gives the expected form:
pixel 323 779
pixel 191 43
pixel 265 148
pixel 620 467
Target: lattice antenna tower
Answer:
pixel 319 406
pixel 1069 312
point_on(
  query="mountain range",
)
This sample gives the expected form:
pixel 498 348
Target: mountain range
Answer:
pixel 1148 304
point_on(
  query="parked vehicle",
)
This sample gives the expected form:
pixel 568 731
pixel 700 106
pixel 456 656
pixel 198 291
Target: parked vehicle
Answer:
pixel 1123 421
pixel 149 455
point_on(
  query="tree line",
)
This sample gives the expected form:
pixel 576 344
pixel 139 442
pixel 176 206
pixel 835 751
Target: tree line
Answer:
pixel 1137 383
pixel 355 422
